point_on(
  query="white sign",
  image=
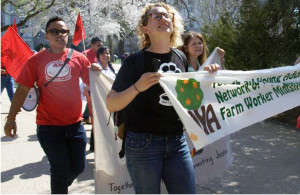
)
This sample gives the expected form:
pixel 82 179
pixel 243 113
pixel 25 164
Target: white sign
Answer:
pixel 212 106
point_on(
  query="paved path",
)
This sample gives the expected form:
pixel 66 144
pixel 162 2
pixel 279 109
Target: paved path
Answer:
pixel 267 160
pixel 24 165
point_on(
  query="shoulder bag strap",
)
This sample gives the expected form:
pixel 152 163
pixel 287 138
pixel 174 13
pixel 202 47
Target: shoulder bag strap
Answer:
pixel 181 56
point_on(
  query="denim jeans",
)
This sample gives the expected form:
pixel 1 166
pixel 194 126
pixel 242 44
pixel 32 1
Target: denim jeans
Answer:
pixel 151 158
pixel 65 149
pixel 8 82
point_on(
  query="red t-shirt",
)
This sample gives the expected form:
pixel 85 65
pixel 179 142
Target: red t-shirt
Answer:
pixel 91 55
pixel 59 102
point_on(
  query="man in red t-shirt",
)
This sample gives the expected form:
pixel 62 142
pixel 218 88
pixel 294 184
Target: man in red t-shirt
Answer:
pixel 59 127
pixel 91 53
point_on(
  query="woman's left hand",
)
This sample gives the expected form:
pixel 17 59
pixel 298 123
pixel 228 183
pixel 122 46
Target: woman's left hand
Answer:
pixel 95 67
pixel 212 68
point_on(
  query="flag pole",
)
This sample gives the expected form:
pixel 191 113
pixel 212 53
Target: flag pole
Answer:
pixel 82 37
pixel 83 43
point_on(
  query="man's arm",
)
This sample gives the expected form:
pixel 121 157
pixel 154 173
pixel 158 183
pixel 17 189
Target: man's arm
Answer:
pixel 10 128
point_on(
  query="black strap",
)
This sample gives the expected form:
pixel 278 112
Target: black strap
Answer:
pixel 70 52
pixel 112 68
pixel 181 56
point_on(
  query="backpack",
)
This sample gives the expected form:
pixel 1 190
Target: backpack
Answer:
pixel 120 117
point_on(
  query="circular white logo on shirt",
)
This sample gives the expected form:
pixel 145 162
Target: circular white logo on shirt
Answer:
pixel 167 68
pixel 52 69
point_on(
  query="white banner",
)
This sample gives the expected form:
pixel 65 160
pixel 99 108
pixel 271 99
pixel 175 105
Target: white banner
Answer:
pixel 212 106
pixel 111 175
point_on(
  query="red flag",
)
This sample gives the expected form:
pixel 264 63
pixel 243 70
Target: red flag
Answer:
pixel 79 33
pixel 15 25
pixel 298 122
pixel 14 52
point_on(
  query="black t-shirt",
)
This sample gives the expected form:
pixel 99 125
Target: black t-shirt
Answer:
pixel 151 111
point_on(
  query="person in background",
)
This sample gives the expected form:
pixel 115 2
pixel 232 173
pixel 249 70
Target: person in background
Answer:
pixel 195 49
pixel 91 53
pixel 103 57
pixel 155 145
pixel 7 82
pixel 41 47
pixel 59 127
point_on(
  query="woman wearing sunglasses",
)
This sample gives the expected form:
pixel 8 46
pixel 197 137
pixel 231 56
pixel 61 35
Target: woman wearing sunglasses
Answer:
pixel 155 146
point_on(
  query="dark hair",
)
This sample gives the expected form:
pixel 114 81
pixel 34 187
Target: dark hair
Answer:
pixel 95 40
pixel 186 38
pixel 53 19
pixel 101 51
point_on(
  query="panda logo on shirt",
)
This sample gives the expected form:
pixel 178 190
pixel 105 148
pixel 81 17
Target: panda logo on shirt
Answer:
pixel 167 68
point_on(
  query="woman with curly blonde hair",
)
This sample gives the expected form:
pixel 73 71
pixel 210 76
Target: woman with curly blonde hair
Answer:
pixel 155 145
pixel 178 27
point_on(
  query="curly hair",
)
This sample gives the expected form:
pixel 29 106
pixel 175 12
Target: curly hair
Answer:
pixel 186 38
pixel 178 27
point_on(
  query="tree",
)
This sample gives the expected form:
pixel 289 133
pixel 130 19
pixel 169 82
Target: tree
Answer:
pixel 114 19
pixel 222 34
pixel 263 36
pixel 26 9
pixel 197 13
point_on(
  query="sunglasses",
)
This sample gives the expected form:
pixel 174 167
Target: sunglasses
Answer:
pixel 158 16
pixel 55 32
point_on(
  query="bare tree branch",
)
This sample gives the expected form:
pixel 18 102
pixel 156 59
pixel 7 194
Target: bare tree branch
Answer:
pixel 30 15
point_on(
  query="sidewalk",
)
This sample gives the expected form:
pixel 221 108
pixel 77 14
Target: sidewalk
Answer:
pixel 267 160
pixel 24 165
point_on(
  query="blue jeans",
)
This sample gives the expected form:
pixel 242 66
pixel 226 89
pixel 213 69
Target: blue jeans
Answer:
pixel 151 158
pixel 8 82
pixel 65 149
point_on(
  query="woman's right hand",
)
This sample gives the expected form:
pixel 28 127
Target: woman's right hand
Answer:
pixel 147 80
pixel 116 101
